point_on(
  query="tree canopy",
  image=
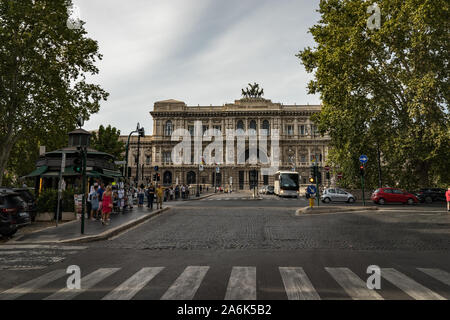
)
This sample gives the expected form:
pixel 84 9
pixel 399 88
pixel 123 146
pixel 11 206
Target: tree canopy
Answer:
pixel 107 140
pixel 385 88
pixel 43 69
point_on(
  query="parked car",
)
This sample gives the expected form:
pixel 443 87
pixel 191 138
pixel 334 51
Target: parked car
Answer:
pixel 28 197
pixel 393 195
pixel 270 190
pixel 13 213
pixel 336 195
pixel 263 190
pixel 430 195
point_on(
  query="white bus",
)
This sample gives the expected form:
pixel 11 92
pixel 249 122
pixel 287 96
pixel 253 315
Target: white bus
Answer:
pixel 287 184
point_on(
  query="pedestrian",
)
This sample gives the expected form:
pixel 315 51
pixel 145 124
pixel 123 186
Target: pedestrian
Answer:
pixel 171 192
pixel 94 201
pixel 151 196
pixel 183 192
pixel 107 205
pixel 159 195
pixel 447 196
pixel 141 195
pixel 177 192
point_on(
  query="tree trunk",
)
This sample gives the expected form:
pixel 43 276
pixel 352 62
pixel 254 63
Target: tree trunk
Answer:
pixel 4 155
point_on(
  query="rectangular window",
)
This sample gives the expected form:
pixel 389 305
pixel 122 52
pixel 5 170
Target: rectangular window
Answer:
pixel 148 160
pixel 191 130
pixel 289 130
pixel 303 158
pixel 219 128
pixel 167 157
pixel 205 128
pixel 301 130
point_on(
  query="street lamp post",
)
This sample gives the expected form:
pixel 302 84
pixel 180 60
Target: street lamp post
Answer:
pixel 81 139
pixel 141 132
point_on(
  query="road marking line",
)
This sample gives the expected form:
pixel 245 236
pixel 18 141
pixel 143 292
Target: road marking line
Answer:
pixel 297 284
pixel 352 284
pixel 32 246
pixel 437 274
pixel 31 285
pixel 87 282
pixel 128 289
pixel 242 284
pixel 187 284
pixel 409 286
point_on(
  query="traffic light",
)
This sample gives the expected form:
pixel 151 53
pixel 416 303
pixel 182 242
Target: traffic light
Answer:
pixel 361 170
pixel 311 180
pixel 158 177
pixel 78 162
pixel 313 174
pixel 328 175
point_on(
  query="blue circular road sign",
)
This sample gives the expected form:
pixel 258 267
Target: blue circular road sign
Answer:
pixel 311 189
pixel 363 158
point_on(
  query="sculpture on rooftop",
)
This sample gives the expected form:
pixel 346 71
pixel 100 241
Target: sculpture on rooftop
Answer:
pixel 252 91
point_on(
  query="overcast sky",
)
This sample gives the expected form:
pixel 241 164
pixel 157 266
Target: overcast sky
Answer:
pixel 197 51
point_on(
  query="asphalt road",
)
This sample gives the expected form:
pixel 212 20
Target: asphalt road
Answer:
pixel 234 247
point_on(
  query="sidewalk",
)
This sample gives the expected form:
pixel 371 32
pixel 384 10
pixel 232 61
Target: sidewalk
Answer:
pixel 70 232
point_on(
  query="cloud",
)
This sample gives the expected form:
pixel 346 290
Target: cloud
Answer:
pixel 202 52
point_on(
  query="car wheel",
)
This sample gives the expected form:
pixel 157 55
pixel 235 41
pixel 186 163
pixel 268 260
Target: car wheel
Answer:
pixel 410 201
pixel 326 200
pixel 428 200
pixel 351 200
pixel 381 201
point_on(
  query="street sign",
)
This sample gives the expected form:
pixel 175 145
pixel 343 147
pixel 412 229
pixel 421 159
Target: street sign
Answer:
pixel 217 169
pixel 311 189
pixel 363 158
pixel 156 168
pixel 340 175
pixel 327 168
pixel 200 167
pixel 63 162
pixel 231 180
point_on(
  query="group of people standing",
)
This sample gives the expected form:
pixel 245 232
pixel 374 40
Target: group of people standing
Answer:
pixel 100 203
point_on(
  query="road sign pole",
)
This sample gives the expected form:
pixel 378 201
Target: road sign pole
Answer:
pixel 362 182
pixel 83 205
pixel 317 184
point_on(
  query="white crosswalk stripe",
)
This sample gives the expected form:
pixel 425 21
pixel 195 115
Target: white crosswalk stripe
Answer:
pixel 187 284
pixel 353 285
pixel 32 285
pixel 409 286
pixel 297 284
pixel 87 283
pixel 133 285
pixel 437 274
pixel 242 284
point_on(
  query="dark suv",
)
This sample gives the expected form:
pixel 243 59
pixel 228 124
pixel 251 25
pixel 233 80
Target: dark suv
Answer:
pixel 29 199
pixel 429 195
pixel 13 213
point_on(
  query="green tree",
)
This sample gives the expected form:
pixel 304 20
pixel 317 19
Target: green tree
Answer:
pixel 43 68
pixel 107 140
pixel 384 88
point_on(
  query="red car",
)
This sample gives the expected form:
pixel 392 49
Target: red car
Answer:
pixel 385 195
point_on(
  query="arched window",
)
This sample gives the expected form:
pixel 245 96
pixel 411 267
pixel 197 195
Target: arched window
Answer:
pixel 240 125
pixel 191 177
pixel 266 126
pixel 167 178
pixel 252 125
pixel 168 128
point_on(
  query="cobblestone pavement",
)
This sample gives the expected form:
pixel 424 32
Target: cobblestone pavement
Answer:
pixel 215 225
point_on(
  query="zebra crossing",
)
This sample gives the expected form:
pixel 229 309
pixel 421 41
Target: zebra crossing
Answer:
pixel 242 284
pixel 34 257
pixel 250 198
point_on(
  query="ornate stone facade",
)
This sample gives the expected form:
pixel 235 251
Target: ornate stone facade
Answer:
pixel 299 140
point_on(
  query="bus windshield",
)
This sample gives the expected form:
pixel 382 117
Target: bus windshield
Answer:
pixel 289 181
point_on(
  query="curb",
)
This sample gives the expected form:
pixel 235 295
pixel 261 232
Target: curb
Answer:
pixel 308 210
pixel 104 235
pixel 202 197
